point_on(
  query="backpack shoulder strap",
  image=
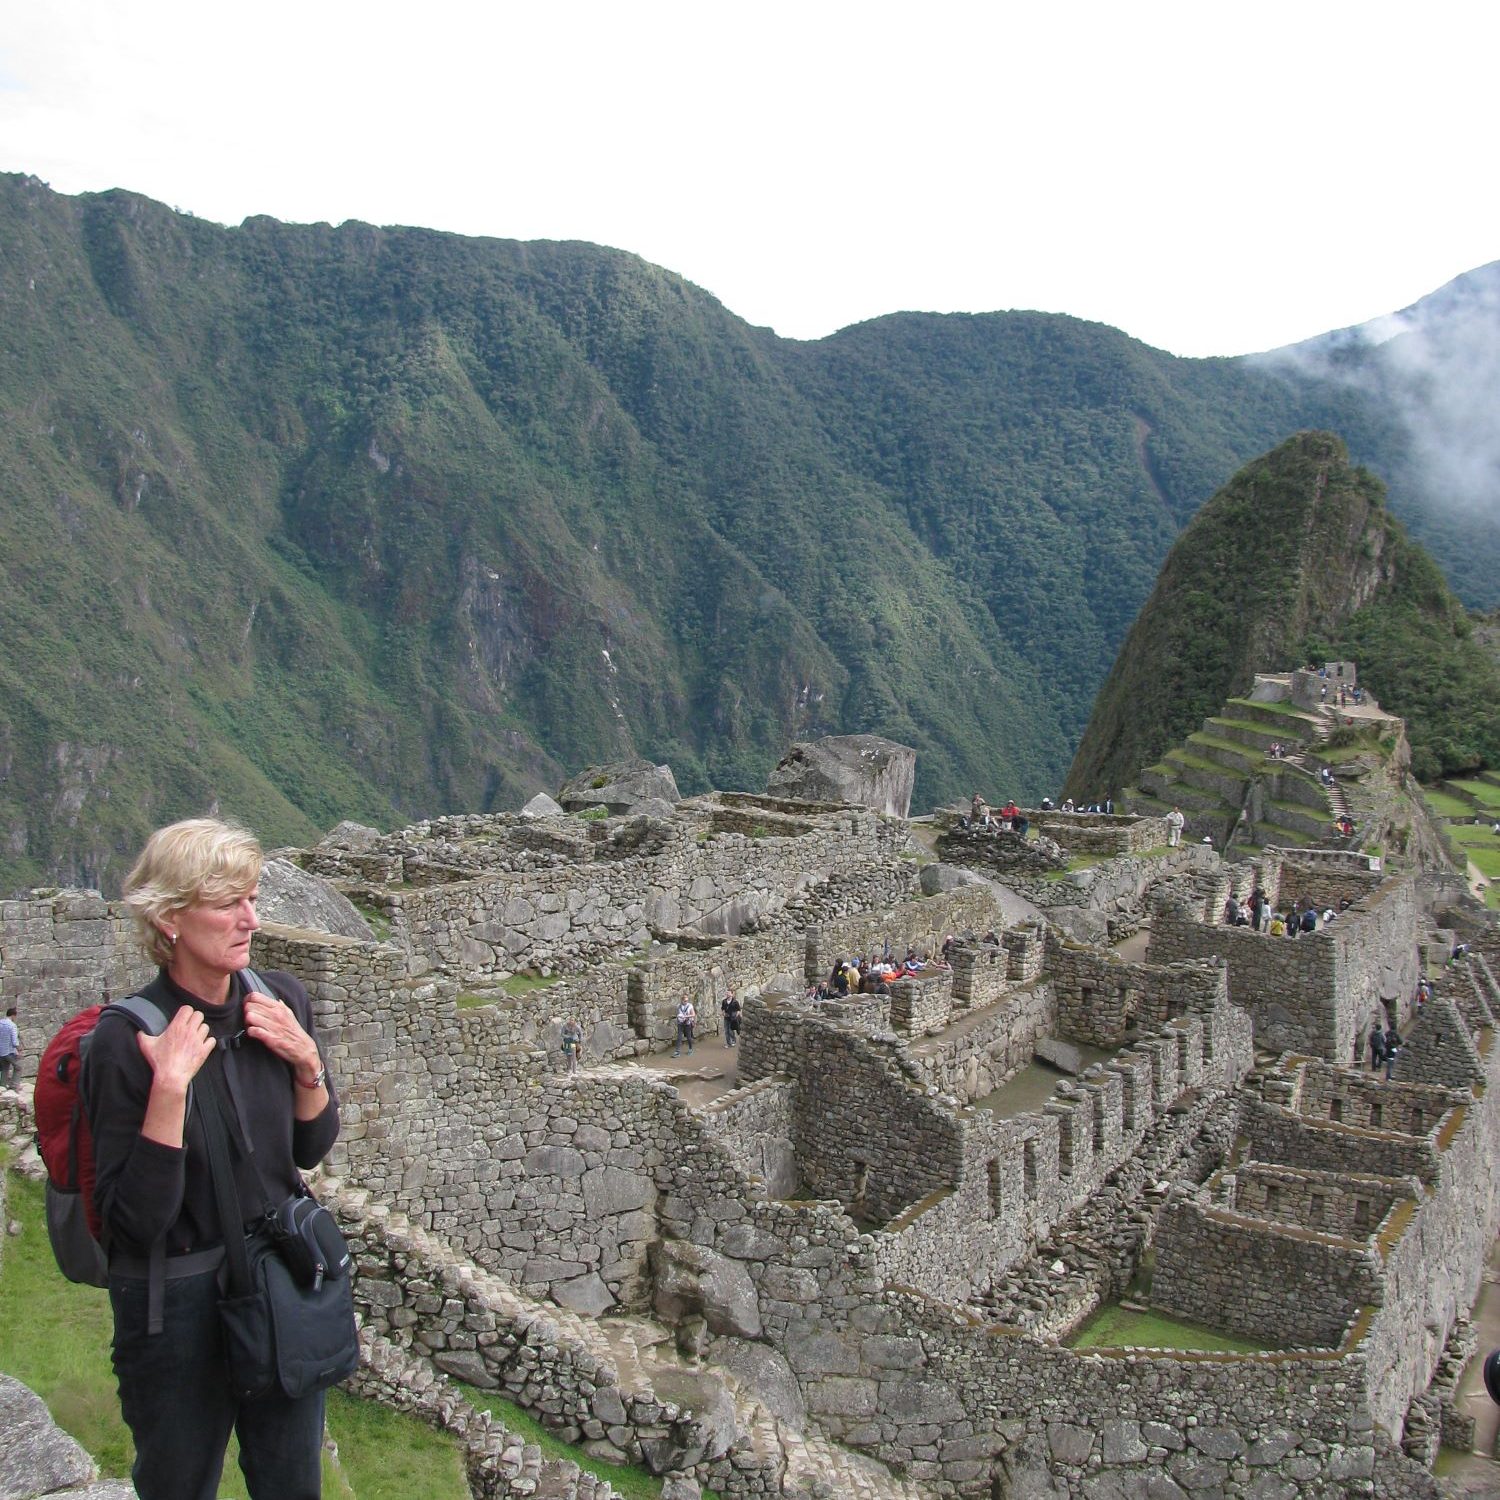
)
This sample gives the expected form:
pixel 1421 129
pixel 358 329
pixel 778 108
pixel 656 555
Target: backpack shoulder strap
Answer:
pixel 145 1015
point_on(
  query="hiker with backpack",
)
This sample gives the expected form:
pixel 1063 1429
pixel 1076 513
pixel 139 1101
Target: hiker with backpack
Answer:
pixel 227 1104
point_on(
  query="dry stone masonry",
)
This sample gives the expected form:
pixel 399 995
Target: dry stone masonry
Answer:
pixel 845 1258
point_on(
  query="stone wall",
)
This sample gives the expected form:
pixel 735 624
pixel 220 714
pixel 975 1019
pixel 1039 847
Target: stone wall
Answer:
pixel 1101 833
pixel 1314 994
pixel 568 916
pixel 1368 1100
pixel 994 1044
pixel 1354 1206
pixel 1101 999
pixel 1275 1133
pixel 919 1007
pixel 1284 1286
pixel 59 952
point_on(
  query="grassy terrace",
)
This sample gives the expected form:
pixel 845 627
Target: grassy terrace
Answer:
pixel 1116 1327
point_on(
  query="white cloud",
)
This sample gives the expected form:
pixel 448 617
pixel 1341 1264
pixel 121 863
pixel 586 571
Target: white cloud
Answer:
pixel 1209 178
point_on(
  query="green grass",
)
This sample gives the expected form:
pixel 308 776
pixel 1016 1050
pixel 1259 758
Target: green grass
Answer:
pixel 1446 805
pixel 1485 793
pixel 380 924
pixel 517 984
pixel 1285 708
pixel 1113 1327
pixel 1488 862
pixel 1475 836
pixel 526 984
pixel 631 1482
pixel 54 1337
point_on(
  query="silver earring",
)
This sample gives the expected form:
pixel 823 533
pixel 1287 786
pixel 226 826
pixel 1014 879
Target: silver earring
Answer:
pixel 172 938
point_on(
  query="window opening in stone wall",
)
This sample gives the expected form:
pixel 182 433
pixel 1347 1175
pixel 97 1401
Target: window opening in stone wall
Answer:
pixel 1335 1109
pixel 1273 1201
pixel 997 1195
pixel 1028 1167
pixel 1315 1208
pixel 1418 1122
pixel 1361 1213
pixel 1377 1115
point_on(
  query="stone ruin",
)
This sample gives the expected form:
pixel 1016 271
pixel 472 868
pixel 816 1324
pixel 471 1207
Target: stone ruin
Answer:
pixel 847 1257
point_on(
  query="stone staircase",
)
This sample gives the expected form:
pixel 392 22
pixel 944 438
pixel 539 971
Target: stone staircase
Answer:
pixel 768 1455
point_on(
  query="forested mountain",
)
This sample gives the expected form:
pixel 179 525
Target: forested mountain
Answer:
pixel 1295 560
pixel 309 523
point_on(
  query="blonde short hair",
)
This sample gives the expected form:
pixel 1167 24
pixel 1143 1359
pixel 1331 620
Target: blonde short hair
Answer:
pixel 187 864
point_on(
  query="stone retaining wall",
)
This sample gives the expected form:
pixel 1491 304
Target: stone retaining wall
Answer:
pixel 1284 1286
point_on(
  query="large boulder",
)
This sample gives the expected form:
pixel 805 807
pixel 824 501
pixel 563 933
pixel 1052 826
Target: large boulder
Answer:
pixel 290 897
pixel 36 1456
pixel 624 787
pixel 862 769
pixel 542 806
pixel 692 1281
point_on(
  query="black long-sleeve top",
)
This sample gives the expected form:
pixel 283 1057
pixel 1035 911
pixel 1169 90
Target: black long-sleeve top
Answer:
pixel 143 1188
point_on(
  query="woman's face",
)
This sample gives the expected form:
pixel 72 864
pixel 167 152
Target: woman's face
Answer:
pixel 213 937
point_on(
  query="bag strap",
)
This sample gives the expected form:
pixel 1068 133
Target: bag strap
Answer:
pixel 226 1195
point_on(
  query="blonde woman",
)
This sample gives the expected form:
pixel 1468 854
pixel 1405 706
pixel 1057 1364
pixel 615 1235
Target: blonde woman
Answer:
pixel 192 894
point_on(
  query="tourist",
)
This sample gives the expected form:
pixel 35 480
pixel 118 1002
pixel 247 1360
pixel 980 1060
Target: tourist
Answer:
pixel 1232 911
pixel 1424 993
pixel 192 896
pixel 572 1043
pixel 1175 821
pixel 731 1010
pixel 979 813
pixel 687 1022
pixel 10 1050
pixel 1278 925
pixel 1377 1046
pixel 1067 804
pixel 1393 1045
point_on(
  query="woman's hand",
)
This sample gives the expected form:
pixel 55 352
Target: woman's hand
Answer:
pixel 175 1057
pixel 272 1023
pixel 177 1054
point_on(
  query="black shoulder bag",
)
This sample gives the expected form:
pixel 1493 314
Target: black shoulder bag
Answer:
pixel 288 1319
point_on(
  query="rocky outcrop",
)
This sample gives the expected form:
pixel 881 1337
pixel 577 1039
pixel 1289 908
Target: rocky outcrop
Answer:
pixel 862 769
pixel 38 1458
pixel 542 806
pixel 625 787
pixel 291 897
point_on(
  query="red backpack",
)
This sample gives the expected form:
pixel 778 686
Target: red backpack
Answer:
pixel 66 1143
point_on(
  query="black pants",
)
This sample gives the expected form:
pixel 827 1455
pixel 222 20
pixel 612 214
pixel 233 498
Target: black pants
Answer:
pixel 175 1396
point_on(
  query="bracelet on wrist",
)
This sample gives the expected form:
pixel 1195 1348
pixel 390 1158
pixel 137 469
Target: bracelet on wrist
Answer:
pixel 319 1079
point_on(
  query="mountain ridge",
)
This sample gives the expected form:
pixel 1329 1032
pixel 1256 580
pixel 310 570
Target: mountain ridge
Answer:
pixel 307 522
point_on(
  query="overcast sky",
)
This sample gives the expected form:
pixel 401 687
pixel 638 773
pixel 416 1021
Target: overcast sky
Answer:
pixel 1213 179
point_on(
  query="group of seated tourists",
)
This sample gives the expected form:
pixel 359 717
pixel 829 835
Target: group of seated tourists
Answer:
pixel 1106 805
pixel 1008 819
pixel 874 976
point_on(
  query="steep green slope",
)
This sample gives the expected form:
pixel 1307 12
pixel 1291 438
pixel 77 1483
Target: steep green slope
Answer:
pixel 307 523
pixel 1296 558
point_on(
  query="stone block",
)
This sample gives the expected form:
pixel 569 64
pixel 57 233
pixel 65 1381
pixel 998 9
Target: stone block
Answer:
pixel 1068 1443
